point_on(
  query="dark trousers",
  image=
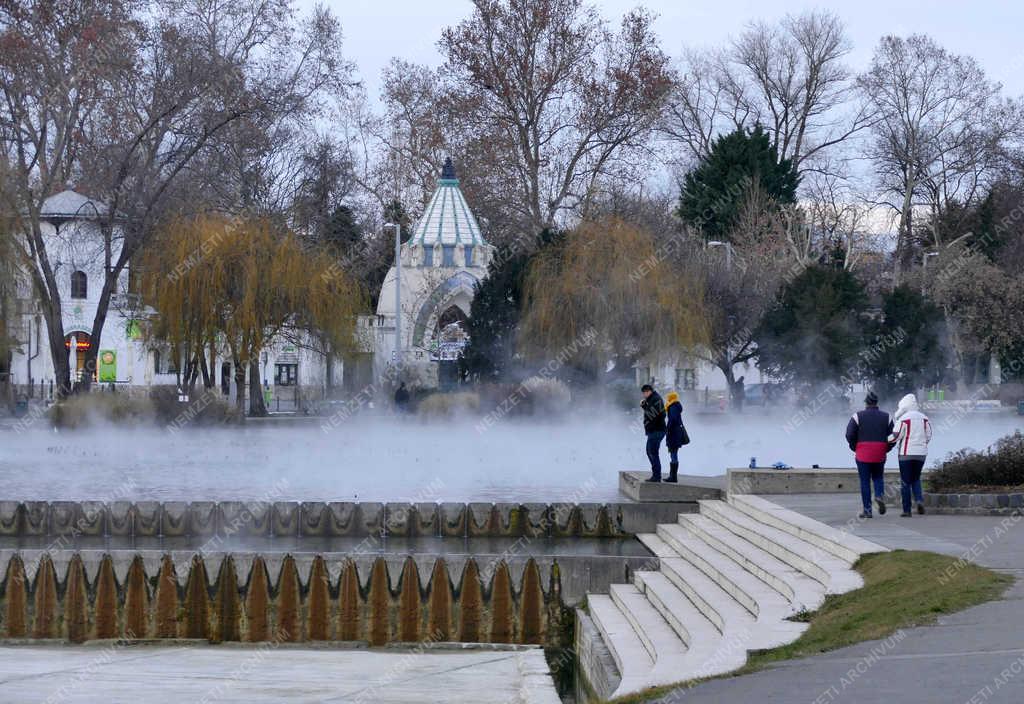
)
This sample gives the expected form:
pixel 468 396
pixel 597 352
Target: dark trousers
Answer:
pixel 654 452
pixel 910 474
pixel 871 473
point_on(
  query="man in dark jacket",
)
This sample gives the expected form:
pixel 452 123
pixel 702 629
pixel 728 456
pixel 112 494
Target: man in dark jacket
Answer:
pixel 402 398
pixel 867 434
pixel 654 428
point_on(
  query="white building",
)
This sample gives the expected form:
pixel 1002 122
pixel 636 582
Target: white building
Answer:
pixel 440 266
pixel 75 248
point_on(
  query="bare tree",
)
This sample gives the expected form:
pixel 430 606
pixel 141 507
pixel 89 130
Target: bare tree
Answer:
pixel 788 76
pixel 570 97
pixel 124 97
pixel 941 122
pixel 840 219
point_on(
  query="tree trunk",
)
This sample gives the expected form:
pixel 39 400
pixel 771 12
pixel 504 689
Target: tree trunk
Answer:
pixel 59 353
pixel 207 381
pixel 257 407
pixel 329 385
pixel 730 378
pixel 239 385
pixel 903 233
pixel 102 307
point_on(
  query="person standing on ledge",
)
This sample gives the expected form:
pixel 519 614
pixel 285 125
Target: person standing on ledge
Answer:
pixel 654 428
pixel 867 434
pixel 402 398
pixel 675 433
pixel 911 439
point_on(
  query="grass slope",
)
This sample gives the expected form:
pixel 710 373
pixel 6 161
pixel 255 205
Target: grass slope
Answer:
pixel 902 589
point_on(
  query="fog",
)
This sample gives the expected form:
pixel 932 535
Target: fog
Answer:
pixel 403 458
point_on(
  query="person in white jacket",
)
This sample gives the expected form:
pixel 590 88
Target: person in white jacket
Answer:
pixel 911 435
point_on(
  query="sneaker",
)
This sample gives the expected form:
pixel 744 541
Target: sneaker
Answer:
pixel 671 480
pixel 864 514
pixel 881 506
pixel 920 508
pixel 654 480
pixel 906 514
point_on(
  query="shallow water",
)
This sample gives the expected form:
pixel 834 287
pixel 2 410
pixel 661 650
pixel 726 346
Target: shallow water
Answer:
pixel 404 459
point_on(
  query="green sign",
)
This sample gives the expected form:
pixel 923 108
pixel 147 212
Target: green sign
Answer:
pixel 133 329
pixel 108 365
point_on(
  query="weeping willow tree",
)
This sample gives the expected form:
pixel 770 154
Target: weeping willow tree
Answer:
pixel 615 284
pixel 235 285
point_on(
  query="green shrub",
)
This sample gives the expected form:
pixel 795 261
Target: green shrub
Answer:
pixel 160 407
pixel 1001 466
pixel 548 396
pixel 83 410
pixel 205 407
pixel 446 405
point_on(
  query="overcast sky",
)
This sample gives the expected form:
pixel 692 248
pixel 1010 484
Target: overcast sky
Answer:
pixel 989 30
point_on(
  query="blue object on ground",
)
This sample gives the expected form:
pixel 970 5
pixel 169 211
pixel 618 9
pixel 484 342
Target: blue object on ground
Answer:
pixel 781 465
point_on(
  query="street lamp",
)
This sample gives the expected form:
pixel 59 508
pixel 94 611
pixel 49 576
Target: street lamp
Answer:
pixel 398 289
pixel 728 251
pixel 924 268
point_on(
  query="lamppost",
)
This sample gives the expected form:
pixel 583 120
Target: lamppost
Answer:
pixel 728 251
pixel 924 268
pixel 398 289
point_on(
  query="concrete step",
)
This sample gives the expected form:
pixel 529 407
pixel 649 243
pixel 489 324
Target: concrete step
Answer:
pixel 803 592
pixel 629 652
pixel 842 544
pixel 708 652
pixel 728 582
pixel 714 602
pixel 657 635
pixel 722 590
pixel 825 568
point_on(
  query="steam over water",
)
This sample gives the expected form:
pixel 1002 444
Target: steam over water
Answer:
pixel 387 457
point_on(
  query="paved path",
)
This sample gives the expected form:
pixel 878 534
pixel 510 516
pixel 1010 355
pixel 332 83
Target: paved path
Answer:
pixel 973 657
pixel 208 674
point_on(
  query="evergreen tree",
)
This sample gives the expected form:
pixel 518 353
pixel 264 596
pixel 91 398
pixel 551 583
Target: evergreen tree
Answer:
pixel 494 315
pixel 815 331
pixel 714 192
pixel 342 235
pixel 906 351
pixel 493 320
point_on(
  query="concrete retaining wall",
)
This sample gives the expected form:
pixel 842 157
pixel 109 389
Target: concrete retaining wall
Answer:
pixel 801 480
pixel 332 519
pixel 975 504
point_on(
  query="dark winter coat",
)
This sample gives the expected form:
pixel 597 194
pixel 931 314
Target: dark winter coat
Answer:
pixel 654 414
pixel 868 433
pixel 675 433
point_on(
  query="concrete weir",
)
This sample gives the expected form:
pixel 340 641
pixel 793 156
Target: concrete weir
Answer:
pixel 255 598
pixel 286 571
pixel 170 519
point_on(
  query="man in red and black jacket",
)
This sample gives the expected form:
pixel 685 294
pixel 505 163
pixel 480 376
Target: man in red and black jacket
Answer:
pixel 868 433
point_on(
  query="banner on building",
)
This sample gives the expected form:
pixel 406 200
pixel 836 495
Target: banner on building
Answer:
pixel 108 365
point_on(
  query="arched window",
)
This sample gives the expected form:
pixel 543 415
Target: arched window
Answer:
pixel 79 285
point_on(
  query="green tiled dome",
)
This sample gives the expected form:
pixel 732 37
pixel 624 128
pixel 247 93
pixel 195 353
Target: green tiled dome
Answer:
pixel 448 219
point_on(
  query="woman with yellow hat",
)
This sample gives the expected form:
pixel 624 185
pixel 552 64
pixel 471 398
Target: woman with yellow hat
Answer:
pixel 675 435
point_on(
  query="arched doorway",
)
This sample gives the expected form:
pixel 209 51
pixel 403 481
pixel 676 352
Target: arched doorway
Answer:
pixel 450 338
pixel 77 344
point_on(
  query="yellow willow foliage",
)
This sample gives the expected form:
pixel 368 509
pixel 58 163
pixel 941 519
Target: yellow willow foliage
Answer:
pixel 242 281
pixel 614 281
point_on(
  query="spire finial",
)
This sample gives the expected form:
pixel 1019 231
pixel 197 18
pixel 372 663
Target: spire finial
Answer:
pixel 448 170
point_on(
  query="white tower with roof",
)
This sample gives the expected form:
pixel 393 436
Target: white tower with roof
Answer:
pixel 442 262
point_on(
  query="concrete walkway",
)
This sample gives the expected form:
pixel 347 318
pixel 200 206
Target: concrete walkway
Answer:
pixel 973 657
pixel 206 674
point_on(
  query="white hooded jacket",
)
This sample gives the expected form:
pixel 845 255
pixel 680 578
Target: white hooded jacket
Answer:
pixel 913 430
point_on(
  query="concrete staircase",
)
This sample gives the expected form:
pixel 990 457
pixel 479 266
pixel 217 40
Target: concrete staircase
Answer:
pixel 728 580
